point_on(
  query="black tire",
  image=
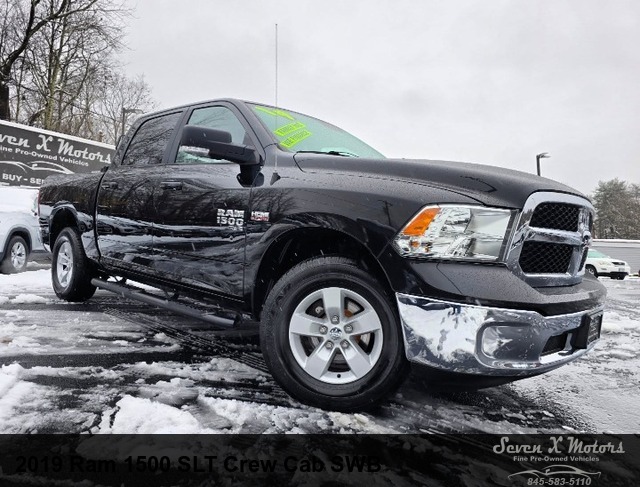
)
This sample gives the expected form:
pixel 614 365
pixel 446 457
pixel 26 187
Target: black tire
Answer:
pixel 591 270
pixel 74 285
pixel 16 257
pixel 355 390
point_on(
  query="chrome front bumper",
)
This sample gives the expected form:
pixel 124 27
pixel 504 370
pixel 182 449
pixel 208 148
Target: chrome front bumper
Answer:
pixel 488 341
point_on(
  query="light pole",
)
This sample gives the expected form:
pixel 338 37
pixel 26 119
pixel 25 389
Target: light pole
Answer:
pixel 542 155
pixel 125 112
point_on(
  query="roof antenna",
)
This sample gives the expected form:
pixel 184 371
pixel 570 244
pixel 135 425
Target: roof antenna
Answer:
pixel 276 66
pixel 275 176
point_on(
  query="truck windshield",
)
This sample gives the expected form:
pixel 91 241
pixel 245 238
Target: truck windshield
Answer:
pixel 295 132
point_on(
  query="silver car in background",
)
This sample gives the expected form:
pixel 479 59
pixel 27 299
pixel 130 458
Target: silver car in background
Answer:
pixel 19 229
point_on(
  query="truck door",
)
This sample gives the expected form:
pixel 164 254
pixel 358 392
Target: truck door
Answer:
pixel 199 237
pixel 126 197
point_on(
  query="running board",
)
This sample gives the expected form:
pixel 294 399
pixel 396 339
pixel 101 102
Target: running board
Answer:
pixel 145 297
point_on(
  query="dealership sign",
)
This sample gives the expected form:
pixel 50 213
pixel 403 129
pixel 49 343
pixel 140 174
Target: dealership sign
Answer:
pixel 28 155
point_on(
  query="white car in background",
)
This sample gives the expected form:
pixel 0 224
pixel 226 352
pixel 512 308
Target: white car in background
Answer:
pixel 600 264
pixel 19 228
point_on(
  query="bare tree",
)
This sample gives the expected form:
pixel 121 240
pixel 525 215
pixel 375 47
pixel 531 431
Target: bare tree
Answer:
pixel 69 54
pixel 67 76
pixel 121 98
pixel 22 20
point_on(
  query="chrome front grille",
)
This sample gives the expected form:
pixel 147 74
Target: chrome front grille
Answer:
pixel 557 216
pixel 583 261
pixel 545 258
pixel 550 240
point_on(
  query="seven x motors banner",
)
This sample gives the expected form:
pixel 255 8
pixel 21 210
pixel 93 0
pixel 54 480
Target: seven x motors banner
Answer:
pixel 28 155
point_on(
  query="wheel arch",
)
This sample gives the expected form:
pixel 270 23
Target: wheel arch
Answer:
pixel 61 218
pixel 589 266
pixel 299 244
pixel 18 232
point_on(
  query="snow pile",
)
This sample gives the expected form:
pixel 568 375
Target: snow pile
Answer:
pixel 134 415
pixel 9 375
pixel 30 282
pixel 175 392
pixel 216 415
pixel 29 299
pixel 215 370
pixel 14 393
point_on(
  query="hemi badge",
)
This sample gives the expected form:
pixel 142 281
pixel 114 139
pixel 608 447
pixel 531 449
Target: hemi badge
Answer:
pixel 259 216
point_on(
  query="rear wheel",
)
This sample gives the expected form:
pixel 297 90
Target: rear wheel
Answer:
pixel 15 260
pixel 591 270
pixel 331 336
pixel 71 270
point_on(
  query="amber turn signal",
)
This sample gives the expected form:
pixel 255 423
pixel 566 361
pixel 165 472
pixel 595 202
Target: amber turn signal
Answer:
pixel 420 222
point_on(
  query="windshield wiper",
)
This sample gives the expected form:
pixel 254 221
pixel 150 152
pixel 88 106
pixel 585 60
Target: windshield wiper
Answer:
pixel 330 152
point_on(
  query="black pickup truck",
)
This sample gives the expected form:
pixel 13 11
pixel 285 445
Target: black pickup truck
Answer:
pixel 352 265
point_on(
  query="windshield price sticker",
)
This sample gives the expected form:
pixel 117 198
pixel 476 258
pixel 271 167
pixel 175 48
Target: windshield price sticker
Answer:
pixel 289 128
pixel 295 138
pixel 276 112
pixel 295 132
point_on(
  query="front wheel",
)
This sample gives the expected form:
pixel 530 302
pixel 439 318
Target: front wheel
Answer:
pixel 331 336
pixel 71 270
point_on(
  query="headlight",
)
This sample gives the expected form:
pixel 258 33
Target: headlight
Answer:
pixel 455 232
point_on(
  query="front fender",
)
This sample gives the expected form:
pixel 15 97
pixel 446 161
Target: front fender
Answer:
pixel 65 214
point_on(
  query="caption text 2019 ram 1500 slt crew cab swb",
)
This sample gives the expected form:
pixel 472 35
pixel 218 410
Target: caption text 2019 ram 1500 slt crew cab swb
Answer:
pixel 353 265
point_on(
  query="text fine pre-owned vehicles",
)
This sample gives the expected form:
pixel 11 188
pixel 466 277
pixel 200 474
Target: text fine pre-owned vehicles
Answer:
pixel 353 265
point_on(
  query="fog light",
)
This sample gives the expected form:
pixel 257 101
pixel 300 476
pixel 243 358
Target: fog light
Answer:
pixel 505 342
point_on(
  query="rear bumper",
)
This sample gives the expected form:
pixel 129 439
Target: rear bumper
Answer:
pixel 493 341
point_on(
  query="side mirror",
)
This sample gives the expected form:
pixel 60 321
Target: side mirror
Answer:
pixel 219 144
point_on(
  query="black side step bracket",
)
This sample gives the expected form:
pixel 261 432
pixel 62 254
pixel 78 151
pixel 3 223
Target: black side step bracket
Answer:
pixel 180 308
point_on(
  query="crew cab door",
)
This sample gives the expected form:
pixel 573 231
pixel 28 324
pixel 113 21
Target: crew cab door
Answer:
pixel 199 238
pixel 126 205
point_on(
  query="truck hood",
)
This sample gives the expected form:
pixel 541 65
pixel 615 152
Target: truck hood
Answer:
pixel 490 185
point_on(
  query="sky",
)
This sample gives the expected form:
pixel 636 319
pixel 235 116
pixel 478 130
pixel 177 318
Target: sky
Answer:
pixel 487 81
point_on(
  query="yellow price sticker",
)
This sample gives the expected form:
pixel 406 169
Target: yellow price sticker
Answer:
pixel 295 138
pixel 289 128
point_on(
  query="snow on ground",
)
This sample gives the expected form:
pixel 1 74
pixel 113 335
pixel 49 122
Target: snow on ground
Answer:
pixel 78 368
pixel 36 282
pixel 139 395
pixel 606 382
